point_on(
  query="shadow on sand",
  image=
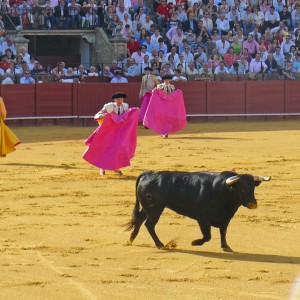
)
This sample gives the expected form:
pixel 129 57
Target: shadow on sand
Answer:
pixel 239 256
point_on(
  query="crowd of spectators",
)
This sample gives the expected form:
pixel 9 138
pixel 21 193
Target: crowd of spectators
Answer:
pixel 187 39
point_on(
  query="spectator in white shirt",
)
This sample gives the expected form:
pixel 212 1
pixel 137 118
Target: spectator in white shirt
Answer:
pixel 187 55
pixel 25 55
pixel 178 77
pixel 155 37
pixel 221 69
pixel 286 45
pixel 257 65
pixel 119 78
pixel 222 45
pixel 272 17
pixel 174 53
pixel 222 25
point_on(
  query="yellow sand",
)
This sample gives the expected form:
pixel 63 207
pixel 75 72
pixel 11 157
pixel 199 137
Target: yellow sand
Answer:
pixel 61 223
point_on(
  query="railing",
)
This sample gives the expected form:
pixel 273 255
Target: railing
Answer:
pixel 102 78
pixel 45 17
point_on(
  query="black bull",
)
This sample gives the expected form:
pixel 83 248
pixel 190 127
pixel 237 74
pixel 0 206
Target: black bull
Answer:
pixel 211 199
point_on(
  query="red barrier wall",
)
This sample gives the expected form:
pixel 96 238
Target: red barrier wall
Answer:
pixel 85 99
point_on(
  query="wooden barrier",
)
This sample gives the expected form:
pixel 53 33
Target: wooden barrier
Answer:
pixel 236 98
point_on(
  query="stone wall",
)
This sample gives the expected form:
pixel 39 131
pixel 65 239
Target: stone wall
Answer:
pixel 104 50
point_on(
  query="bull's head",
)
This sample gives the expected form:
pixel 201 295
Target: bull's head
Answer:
pixel 245 189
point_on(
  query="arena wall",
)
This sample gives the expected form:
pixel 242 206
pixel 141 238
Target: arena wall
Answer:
pixel 211 100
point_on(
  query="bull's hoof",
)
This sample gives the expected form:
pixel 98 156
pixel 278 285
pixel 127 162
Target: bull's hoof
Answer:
pixel 197 242
pixel 227 249
pixel 160 246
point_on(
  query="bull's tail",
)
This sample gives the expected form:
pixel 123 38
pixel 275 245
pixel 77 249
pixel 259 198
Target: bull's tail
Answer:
pixel 135 216
pixel 138 217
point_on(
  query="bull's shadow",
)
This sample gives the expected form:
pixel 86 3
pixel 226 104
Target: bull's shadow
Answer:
pixel 240 256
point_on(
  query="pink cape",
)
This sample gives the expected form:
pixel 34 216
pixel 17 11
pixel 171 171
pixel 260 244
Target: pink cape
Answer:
pixel 113 143
pixel 145 102
pixel 166 112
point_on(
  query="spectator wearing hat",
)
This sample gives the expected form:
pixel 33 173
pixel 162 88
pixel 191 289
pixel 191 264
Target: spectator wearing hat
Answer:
pixel 119 78
pixel 110 137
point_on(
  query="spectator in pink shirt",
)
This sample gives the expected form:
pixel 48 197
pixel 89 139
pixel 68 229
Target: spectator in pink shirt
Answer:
pixel 251 45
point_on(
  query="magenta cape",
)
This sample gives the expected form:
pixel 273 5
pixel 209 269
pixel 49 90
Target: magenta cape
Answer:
pixel 145 102
pixel 166 112
pixel 113 144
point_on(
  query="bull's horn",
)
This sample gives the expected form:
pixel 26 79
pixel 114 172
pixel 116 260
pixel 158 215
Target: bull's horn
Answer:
pixel 231 180
pixel 262 178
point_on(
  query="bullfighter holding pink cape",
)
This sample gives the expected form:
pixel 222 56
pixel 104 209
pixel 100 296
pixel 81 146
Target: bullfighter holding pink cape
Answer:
pixel 166 110
pixel 112 145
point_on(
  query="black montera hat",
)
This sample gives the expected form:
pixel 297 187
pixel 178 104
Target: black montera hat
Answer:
pixel 118 95
pixel 148 69
pixel 167 76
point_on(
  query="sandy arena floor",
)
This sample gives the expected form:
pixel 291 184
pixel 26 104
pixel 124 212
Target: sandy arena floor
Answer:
pixel 62 224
